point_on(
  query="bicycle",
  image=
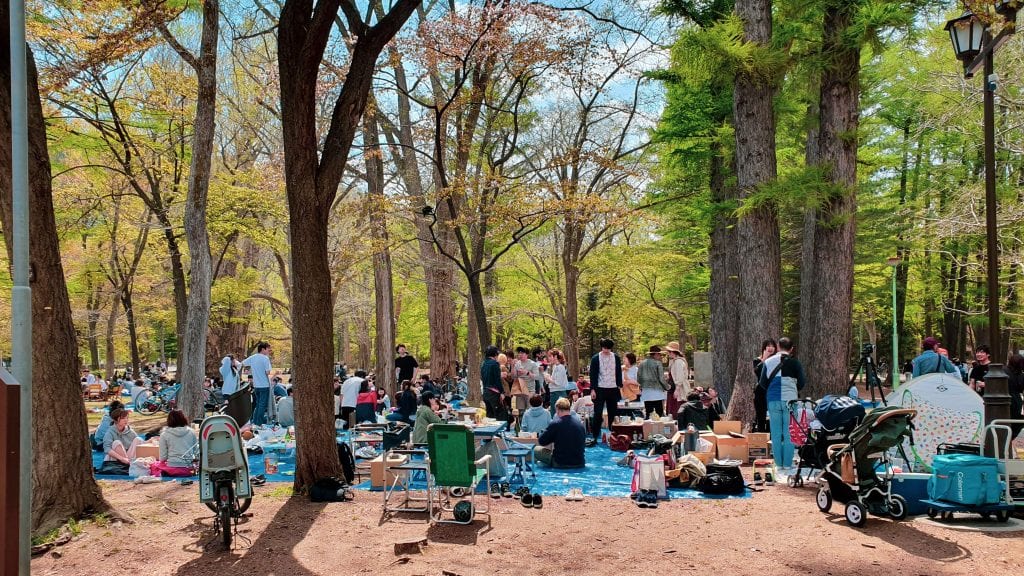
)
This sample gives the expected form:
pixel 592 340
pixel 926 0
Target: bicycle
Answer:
pixel 224 485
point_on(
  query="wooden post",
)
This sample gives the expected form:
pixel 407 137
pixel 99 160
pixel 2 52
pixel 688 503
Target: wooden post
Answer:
pixel 10 422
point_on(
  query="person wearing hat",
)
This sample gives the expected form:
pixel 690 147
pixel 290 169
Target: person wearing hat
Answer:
pixel 679 378
pixel 930 361
pixel 653 385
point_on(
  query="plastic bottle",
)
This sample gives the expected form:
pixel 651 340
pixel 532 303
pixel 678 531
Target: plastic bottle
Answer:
pixel 691 439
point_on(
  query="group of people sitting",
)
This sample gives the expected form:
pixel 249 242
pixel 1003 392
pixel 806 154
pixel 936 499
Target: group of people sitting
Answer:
pixel 119 443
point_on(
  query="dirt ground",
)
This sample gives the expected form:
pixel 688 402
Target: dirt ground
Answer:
pixel 778 531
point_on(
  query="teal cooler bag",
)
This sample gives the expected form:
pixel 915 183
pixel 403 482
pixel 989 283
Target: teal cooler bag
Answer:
pixel 965 479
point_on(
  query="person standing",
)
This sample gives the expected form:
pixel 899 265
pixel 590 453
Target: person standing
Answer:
pixel 527 372
pixel 558 379
pixel 768 349
pixel 976 379
pixel 605 383
pixel 350 396
pixel 493 384
pixel 930 360
pixel 783 378
pixel 406 367
pixel 679 378
pixel 259 364
pixel 650 375
pixel 630 385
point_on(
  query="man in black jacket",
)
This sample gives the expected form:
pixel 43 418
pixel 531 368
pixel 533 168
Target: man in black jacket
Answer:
pixel 605 384
pixel 494 388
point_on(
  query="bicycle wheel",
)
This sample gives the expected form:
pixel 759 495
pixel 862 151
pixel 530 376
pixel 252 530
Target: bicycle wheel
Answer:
pixel 238 508
pixel 144 403
pixel 225 502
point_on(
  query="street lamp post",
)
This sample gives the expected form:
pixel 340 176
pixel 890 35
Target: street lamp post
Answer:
pixel 894 263
pixel 975 46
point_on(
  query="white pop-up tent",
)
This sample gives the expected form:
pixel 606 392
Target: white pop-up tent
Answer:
pixel 948 411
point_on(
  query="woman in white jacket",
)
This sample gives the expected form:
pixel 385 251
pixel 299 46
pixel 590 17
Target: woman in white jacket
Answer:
pixel 679 373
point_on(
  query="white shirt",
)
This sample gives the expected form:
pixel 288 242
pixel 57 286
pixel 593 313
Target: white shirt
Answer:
pixel 260 364
pixel 606 377
pixel 349 391
pixel 559 378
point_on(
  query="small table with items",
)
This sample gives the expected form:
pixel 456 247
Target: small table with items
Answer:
pixel 634 430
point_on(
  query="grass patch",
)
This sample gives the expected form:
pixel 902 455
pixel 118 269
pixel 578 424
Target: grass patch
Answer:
pixel 285 491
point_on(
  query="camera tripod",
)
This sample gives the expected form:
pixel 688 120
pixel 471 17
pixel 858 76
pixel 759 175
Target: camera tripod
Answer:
pixel 867 363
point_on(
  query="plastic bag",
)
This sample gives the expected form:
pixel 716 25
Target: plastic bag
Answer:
pixel 140 466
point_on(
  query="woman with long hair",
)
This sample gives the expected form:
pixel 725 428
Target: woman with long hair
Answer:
pixel 768 349
pixel 177 442
pixel 556 377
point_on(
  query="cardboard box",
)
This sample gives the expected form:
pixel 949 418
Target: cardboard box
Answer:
pixel 730 448
pixel 757 453
pixel 377 476
pixel 757 439
pixel 705 457
pixel 724 427
pixel 148 451
pixel 666 429
pixel 710 438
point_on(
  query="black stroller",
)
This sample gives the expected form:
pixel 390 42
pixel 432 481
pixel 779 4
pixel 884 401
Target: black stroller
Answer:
pixel 836 416
pixel 239 404
pixel 850 476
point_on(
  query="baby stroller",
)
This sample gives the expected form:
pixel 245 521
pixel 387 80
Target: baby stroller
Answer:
pixel 850 475
pixel 239 404
pixel 835 417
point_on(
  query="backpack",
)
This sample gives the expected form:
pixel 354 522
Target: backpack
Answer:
pixel 722 479
pixel 348 462
pixel 329 489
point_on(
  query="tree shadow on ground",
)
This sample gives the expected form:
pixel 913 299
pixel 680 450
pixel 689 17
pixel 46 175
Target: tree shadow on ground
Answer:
pixel 288 528
pixel 912 540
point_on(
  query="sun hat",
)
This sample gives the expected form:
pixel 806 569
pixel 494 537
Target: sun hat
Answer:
pixel 672 347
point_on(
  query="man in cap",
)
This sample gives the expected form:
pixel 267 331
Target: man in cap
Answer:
pixel 930 361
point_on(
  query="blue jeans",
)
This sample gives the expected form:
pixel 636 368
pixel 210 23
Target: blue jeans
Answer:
pixel 782 446
pixel 259 413
pixel 555 395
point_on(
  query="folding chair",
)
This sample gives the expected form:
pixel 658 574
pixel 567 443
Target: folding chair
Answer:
pixel 399 493
pixel 453 465
pixel 95 392
pixel 365 435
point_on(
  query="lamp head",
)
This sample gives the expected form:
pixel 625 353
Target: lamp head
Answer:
pixel 966 33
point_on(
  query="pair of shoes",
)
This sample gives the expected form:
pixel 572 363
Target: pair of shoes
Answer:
pixel 504 489
pixel 647 499
pixel 532 500
pixel 769 479
pixel 496 490
pixel 520 492
pixel 575 495
pixel 258 480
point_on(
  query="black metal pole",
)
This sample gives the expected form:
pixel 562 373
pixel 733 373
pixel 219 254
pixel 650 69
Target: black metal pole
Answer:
pixel 997 398
pixel 990 213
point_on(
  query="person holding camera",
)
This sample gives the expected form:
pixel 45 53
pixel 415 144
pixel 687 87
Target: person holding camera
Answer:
pixel 782 377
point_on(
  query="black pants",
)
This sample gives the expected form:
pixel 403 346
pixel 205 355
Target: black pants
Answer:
pixel 605 397
pixel 495 409
pixel 346 411
pixel 652 406
pixel 760 410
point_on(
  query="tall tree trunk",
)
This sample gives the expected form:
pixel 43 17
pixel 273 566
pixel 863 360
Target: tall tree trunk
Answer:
pixel 723 296
pixel 93 298
pixel 62 482
pixel 438 271
pixel 835 226
pixel 807 263
pixel 570 318
pixel 383 292
pixel 177 276
pixel 473 355
pixel 133 336
pixel 192 349
pixel 757 242
pixel 111 326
